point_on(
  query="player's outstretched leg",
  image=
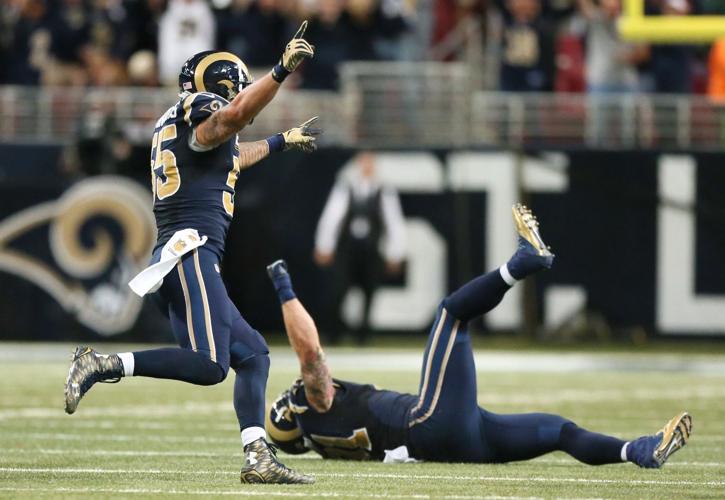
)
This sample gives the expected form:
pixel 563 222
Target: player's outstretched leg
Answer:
pixel 652 452
pixel 480 295
pixel 529 435
pixel 87 368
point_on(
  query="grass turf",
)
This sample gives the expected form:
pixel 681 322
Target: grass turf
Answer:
pixel 150 438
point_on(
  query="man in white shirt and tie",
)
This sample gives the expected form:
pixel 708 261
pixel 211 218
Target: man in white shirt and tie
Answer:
pixel 360 213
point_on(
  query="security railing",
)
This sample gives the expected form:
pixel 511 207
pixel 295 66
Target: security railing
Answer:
pixel 392 105
pixel 611 121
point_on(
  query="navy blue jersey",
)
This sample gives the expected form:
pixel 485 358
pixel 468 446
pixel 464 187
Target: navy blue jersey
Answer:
pixel 192 187
pixel 362 423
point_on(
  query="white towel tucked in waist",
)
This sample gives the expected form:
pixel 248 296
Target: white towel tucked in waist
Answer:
pixel 151 278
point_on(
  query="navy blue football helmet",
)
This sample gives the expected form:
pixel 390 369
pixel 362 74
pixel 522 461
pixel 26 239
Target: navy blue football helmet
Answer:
pixel 221 73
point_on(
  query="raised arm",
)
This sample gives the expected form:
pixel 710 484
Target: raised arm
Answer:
pixel 303 336
pixel 230 119
pixel 305 341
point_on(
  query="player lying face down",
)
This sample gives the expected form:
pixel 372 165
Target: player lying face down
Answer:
pixel 443 422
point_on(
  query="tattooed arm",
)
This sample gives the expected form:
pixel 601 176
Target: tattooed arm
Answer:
pixel 252 152
pixel 302 137
pixel 303 336
pixel 318 381
pixel 224 123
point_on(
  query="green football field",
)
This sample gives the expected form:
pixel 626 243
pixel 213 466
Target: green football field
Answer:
pixel 147 438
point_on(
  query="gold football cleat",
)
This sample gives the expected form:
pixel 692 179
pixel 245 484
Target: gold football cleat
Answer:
pixel 261 466
pixel 675 435
pixel 528 227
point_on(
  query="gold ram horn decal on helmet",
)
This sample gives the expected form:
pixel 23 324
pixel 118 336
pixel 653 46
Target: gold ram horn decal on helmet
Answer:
pixel 100 234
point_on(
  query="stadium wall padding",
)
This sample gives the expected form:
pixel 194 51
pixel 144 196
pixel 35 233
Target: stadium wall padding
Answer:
pixel 638 237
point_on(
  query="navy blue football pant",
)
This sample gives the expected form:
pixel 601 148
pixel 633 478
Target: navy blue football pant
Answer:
pixel 448 425
pixel 212 336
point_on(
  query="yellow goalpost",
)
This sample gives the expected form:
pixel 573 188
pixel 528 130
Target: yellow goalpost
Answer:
pixel 636 26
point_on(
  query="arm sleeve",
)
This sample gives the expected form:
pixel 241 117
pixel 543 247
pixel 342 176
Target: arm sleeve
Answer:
pixel 394 222
pixel 328 229
pixel 197 108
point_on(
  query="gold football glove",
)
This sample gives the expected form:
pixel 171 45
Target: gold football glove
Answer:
pixel 295 52
pixel 302 137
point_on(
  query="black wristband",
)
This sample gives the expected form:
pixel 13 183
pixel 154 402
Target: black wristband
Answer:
pixel 276 143
pixel 279 73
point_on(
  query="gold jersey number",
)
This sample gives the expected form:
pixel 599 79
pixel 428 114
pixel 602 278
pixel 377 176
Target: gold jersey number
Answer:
pixel 227 197
pixel 357 446
pixel 165 178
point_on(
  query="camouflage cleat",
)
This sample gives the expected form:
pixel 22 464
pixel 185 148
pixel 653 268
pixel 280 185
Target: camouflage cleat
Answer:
pixel 261 466
pixel 675 435
pixel 87 368
pixel 528 228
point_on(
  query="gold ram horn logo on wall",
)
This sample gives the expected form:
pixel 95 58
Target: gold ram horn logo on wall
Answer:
pixel 100 234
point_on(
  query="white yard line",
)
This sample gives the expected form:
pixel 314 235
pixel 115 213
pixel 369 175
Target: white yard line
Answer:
pixel 434 477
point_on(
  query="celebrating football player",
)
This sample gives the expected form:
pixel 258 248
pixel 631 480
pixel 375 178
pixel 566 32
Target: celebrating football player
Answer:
pixel 444 423
pixel 195 161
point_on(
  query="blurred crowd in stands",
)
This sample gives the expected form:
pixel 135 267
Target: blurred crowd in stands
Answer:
pixel 539 45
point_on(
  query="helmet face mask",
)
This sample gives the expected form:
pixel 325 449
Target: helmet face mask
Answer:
pixel 221 73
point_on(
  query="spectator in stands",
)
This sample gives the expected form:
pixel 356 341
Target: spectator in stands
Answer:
pixel 356 30
pixel 397 22
pixel 716 70
pixel 187 27
pixel 24 41
pixel 527 58
pixel 69 23
pixel 254 30
pixel 448 16
pixel 328 31
pixel 114 29
pixel 360 211
pixel 671 64
pixel 377 26
pixel 611 63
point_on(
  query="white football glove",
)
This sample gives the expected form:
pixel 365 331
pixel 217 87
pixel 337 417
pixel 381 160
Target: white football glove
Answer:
pixel 297 50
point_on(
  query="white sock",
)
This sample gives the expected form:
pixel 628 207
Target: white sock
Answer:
pixel 251 434
pixel 623 453
pixel 128 363
pixel 506 275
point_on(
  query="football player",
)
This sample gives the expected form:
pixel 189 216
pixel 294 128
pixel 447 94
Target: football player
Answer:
pixel 195 161
pixel 444 423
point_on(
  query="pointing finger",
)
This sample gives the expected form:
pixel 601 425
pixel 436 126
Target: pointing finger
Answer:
pixel 301 31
